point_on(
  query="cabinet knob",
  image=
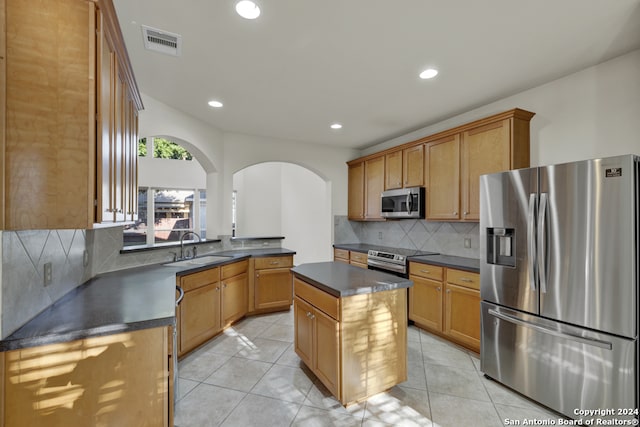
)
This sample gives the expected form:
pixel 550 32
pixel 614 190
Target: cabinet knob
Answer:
pixel 455 213
pixel 217 288
pixel 438 289
pixel 448 291
pixel 257 274
pixel 466 213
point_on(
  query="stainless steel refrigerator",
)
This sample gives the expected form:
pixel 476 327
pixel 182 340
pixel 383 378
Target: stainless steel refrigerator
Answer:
pixel 559 283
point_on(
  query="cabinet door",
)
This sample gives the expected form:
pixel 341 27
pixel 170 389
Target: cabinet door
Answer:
pixel 356 191
pixel 443 178
pixel 425 303
pixel 462 315
pixel 413 166
pixel 341 255
pixel 484 150
pixel 234 299
pixel 393 172
pixel 303 331
pixel 105 210
pixel 374 186
pixel 3 98
pixel 199 316
pixel 326 356
pixel 119 153
pixel 273 288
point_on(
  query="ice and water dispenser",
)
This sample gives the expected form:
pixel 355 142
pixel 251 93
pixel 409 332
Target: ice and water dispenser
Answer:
pixel 501 246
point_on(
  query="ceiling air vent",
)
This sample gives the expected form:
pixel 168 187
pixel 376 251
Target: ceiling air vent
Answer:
pixel 162 41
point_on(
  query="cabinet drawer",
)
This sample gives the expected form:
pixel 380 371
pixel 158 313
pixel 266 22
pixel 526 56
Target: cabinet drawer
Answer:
pixel 273 262
pixel 319 299
pixel 342 254
pixel 199 279
pixel 234 269
pixel 358 257
pixel 463 278
pixel 427 271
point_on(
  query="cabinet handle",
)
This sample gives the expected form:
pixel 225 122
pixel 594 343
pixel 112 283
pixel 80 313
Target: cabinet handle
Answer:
pixel 424 271
pixel 274 262
pixel 464 279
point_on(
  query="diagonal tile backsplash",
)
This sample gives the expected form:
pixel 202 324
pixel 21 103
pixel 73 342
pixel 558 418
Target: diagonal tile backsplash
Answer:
pixel 24 254
pixel 443 237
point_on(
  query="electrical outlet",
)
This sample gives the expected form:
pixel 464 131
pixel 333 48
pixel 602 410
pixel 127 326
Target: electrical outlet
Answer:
pixel 380 235
pixel 85 258
pixel 48 273
pixel 467 242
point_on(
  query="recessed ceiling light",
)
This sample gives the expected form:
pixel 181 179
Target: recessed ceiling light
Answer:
pixel 247 9
pixel 429 73
pixel 336 126
pixel 215 104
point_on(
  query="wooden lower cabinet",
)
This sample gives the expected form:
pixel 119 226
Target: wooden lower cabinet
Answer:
pixel 358 259
pixel 341 255
pixel 272 283
pixel 355 345
pixel 199 316
pixel 112 380
pixel 317 343
pixel 446 301
pixel 213 299
pixel 425 303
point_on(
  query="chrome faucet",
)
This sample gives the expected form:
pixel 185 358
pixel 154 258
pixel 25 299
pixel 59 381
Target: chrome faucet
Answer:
pixel 182 243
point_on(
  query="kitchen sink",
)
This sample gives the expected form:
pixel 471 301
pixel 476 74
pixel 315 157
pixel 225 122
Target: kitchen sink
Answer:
pixel 203 260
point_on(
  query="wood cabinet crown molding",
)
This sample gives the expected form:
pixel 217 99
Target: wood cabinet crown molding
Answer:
pixel 514 113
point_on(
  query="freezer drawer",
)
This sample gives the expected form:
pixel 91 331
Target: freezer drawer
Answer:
pixel 561 366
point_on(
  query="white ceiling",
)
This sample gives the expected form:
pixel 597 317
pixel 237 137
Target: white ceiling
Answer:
pixel 304 64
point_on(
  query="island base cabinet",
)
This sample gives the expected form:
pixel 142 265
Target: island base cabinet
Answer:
pixel 113 380
pixel 356 345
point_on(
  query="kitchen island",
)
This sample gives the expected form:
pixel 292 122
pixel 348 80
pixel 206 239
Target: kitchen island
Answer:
pixel 351 328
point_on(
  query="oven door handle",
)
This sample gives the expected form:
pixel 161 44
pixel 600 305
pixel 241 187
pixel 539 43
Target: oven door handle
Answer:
pixel 387 266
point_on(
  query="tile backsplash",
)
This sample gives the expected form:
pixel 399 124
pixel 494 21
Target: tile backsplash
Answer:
pixel 75 256
pixel 24 254
pixel 443 237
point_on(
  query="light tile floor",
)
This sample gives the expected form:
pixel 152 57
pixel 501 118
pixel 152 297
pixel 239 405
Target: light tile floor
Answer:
pixel 251 376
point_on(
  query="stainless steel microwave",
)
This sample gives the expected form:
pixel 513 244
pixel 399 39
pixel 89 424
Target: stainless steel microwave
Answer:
pixel 403 203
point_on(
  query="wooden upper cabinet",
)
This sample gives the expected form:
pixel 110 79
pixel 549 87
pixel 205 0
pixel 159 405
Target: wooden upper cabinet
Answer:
pixel 443 178
pixel 53 165
pixel 484 150
pixel 374 186
pixel 393 172
pixel 356 191
pixel 3 92
pixel 413 166
pixel 404 168
pixel 448 164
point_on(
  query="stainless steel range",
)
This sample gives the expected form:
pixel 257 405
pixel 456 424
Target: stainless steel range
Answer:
pixel 393 260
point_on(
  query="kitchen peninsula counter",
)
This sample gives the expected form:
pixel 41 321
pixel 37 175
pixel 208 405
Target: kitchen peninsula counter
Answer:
pixel 351 328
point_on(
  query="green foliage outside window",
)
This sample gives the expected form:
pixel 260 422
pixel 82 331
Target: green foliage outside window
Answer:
pixel 164 149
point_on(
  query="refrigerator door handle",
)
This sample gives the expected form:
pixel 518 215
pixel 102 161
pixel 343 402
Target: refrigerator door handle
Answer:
pixel 531 226
pixel 542 242
pixel 588 341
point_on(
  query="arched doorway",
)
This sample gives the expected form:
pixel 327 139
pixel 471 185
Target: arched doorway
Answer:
pixel 285 199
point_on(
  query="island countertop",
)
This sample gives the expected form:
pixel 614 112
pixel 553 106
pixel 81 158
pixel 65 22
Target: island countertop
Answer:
pixel 342 280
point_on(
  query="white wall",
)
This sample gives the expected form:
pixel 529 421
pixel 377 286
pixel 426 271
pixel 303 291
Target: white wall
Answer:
pixel 259 200
pixel 284 199
pixel 170 173
pixel 592 113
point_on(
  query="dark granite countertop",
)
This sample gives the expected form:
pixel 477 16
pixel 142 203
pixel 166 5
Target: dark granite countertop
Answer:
pixel 256 253
pixel 342 280
pixel 460 263
pixel 115 302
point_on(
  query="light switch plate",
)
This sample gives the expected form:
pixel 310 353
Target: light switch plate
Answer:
pixel 467 242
